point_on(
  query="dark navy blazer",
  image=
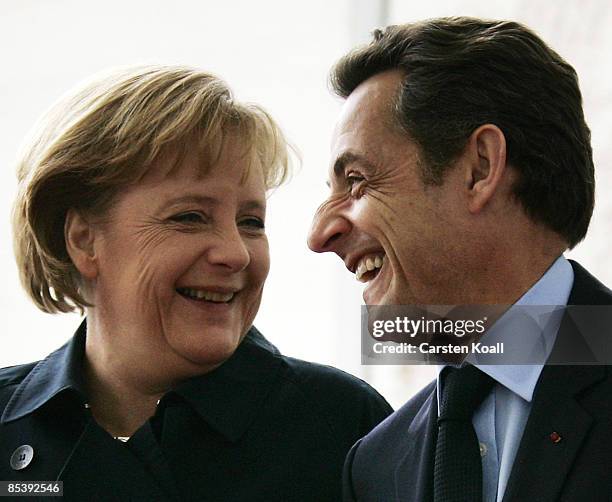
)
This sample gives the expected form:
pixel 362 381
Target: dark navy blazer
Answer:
pixel 261 427
pixel 395 461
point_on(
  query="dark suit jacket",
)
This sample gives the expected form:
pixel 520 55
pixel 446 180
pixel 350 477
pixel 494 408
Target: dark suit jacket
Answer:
pixel 395 461
pixel 261 427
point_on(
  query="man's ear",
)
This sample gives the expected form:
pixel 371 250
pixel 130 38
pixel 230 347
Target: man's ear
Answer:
pixel 79 235
pixel 486 165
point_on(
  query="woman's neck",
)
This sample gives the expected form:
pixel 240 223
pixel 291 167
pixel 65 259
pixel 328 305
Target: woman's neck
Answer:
pixel 123 386
pixel 117 406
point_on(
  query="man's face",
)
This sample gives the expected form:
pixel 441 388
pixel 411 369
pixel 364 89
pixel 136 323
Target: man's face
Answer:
pixel 399 236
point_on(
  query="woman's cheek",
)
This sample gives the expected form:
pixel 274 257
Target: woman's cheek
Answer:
pixel 260 260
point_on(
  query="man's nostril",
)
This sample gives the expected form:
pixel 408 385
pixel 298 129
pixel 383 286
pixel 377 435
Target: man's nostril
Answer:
pixel 331 241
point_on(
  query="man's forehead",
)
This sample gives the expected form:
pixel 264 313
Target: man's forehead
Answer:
pixel 372 99
pixel 367 109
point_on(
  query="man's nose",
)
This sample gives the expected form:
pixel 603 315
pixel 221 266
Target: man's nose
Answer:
pixel 327 229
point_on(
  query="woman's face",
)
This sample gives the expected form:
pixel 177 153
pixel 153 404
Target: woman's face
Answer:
pixel 181 263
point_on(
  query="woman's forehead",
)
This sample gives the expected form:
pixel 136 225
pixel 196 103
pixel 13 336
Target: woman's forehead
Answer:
pixel 231 155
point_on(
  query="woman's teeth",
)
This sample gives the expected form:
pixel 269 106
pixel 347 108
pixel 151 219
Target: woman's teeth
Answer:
pixel 367 264
pixel 209 296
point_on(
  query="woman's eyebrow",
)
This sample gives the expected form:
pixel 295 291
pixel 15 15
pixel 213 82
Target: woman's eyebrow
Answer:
pixel 253 205
pixel 206 200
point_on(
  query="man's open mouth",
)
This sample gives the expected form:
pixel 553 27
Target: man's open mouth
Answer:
pixel 369 266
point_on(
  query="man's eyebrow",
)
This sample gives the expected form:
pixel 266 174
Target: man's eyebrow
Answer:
pixel 346 158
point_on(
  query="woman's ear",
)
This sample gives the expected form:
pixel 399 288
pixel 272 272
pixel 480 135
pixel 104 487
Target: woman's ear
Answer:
pixel 79 234
pixel 486 166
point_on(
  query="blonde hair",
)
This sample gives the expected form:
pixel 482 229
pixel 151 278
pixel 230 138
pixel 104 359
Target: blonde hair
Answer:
pixel 106 135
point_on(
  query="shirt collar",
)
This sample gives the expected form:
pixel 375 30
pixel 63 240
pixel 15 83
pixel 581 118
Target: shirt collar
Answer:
pixel 226 398
pixel 59 372
pixel 229 397
pixel 552 289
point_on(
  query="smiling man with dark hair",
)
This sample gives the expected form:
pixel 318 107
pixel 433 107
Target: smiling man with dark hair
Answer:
pixel 461 171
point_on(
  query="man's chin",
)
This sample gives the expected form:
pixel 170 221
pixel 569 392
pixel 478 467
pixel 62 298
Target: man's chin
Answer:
pixel 373 300
pixel 379 295
pixel 387 298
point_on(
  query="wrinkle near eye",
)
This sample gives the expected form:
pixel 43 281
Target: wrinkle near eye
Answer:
pixel 380 199
pixel 332 202
pixel 153 232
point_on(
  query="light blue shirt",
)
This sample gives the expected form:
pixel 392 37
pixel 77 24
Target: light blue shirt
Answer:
pixel 500 420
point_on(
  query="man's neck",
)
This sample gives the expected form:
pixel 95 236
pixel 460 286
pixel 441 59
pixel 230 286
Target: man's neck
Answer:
pixel 508 274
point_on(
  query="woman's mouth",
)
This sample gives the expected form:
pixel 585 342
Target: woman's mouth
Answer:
pixel 205 295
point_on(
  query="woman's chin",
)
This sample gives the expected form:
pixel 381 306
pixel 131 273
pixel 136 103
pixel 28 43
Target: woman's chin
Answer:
pixel 204 355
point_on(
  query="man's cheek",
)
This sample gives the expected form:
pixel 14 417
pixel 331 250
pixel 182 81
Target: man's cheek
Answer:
pixel 369 208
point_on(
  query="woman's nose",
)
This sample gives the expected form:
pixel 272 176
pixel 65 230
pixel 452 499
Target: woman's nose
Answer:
pixel 230 251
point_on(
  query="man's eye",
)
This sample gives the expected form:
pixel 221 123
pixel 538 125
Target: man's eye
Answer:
pixel 353 179
pixel 355 184
pixel 256 223
pixel 188 217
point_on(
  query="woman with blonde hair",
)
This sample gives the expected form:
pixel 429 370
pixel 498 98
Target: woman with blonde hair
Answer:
pixel 142 203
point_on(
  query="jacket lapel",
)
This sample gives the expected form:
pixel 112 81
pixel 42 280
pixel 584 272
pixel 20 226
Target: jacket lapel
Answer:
pixel 77 452
pixel 542 465
pixel 413 474
pixel 50 441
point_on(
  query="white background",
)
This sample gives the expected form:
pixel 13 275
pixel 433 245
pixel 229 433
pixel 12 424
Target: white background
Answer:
pixel 276 53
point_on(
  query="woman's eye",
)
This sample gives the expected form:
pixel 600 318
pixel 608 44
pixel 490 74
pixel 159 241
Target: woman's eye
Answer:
pixel 189 217
pixel 256 223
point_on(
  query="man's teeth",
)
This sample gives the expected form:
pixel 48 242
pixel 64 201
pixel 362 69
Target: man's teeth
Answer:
pixel 209 296
pixel 367 264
